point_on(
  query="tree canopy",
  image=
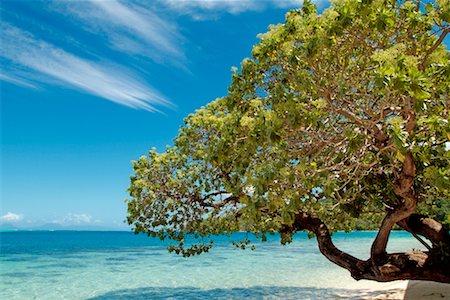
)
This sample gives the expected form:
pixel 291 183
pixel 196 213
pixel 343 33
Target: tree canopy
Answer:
pixel 338 119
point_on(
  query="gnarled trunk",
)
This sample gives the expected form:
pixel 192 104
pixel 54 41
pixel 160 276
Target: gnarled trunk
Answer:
pixel 432 265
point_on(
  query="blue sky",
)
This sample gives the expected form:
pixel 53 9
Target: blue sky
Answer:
pixel 88 86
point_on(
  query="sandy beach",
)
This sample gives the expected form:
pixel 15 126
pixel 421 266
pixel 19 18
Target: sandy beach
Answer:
pixel 398 290
pixel 427 290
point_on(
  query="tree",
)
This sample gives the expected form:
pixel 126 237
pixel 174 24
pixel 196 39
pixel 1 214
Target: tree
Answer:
pixel 339 118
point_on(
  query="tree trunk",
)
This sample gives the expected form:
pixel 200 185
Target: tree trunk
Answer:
pixel 433 265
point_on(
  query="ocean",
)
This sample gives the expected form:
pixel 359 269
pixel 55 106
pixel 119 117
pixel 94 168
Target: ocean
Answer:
pixel 122 265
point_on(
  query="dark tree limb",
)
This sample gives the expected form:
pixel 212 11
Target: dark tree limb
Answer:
pixel 412 265
pixel 421 241
pixel 415 265
pixel 434 47
pixel 403 190
pixel 304 221
pixel 426 227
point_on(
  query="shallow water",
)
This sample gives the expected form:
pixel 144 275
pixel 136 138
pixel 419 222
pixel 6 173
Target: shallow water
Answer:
pixel 121 265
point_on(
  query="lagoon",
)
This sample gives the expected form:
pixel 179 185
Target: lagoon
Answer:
pixel 122 265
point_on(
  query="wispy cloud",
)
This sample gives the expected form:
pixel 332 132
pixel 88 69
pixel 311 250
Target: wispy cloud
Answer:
pixel 17 80
pixel 196 8
pixel 230 6
pixel 11 217
pixel 76 219
pixel 131 28
pixel 105 80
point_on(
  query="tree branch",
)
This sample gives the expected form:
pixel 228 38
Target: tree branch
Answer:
pixel 434 47
pixel 304 221
pixel 403 190
pixel 415 265
pixel 426 227
pixel 203 201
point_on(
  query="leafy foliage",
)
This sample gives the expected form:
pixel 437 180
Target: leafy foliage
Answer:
pixel 318 120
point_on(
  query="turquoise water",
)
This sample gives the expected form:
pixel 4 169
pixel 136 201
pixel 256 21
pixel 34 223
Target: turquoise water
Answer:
pixel 121 265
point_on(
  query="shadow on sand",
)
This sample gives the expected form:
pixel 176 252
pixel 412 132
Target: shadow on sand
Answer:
pixel 260 292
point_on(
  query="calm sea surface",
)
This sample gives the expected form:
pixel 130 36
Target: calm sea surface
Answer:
pixel 121 265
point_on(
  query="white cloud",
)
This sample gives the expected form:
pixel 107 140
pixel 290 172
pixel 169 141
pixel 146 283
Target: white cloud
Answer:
pixel 17 80
pixel 75 219
pixel 131 28
pixel 11 217
pixel 104 80
pixel 229 6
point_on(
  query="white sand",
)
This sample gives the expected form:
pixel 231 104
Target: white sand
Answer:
pixel 366 289
pixel 398 290
pixel 427 290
